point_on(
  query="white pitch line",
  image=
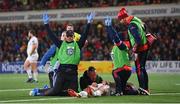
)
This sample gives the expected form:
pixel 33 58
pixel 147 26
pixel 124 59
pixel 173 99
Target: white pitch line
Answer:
pixel 42 99
pixel 178 84
pixel 166 93
pixel 9 90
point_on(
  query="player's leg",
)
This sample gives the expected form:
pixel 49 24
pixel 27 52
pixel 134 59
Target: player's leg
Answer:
pixel 54 91
pixel 141 71
pixel 73 93
pixel 71 78
pixel 131 89
pixel 143 63
pixel 97 93
pixel 62 82
pixel 118 81
pixel 142 74
pixel 33 64
pixel 35 71
pixel 71 82
pixel 87 92
pixel 51 74
pixel 28 70
pixel 104 90
pixel 57 87
pixel 125 74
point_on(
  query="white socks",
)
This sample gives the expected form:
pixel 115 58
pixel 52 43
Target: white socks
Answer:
pixel 83 94
pixel 35 74
pixel 97 93
pixel 29 73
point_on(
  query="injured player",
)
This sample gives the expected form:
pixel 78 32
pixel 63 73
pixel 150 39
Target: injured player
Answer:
pixel 103 89
pixel 94 89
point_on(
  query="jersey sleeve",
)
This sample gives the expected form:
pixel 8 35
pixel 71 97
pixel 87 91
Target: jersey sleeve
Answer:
pixel 114 37
pixel 34 41
pixel 134 31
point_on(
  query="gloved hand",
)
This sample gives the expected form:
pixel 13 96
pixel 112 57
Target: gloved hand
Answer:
pixel 41 68
pixel 108 21
pixel 134 56
pixel 90 17
pixel 134 49
pixel 34 92
pixel 45 18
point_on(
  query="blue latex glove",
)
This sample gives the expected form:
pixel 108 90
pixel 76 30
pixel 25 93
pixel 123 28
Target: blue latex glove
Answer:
pixel 90 17
pixel 108 21
pixel 45 18
pixel 34 92
pixel 41 68
pixel 45 87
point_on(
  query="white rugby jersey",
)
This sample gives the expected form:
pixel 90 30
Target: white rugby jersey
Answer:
pixel 100 86
pixel 32 41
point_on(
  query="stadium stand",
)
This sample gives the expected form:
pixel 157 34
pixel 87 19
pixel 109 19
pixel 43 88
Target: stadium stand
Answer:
pixel 13 39
pixel 24 5
pixel 13 36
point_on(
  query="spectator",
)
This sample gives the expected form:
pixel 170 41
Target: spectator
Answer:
pixel 14 35
pixel 24 5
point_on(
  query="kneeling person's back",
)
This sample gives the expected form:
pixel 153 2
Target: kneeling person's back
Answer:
pixel 89 76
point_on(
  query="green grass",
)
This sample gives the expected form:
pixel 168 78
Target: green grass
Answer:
pixel 159 83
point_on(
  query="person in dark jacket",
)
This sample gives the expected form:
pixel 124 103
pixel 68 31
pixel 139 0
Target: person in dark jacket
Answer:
pixel 89 77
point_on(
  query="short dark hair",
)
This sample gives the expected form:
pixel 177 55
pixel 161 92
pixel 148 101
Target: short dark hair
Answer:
pixel 91 69
pixel 32 32
pixel 69 33
pixel 69 25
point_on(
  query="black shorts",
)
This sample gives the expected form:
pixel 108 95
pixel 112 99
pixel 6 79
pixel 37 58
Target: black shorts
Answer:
pixel 66 77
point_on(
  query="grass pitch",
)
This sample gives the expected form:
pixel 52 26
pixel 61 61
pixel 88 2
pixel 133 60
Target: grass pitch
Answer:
pixel 164 88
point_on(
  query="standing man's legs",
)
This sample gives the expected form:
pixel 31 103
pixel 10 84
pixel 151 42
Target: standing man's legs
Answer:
pixel 35 71
pixel 141 71
pixel 125 74
pixel 27 67
pixel 117 80
pixel 31 65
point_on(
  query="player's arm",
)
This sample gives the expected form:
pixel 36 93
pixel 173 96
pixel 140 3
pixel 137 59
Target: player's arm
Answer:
pixel 135 33
pixel 48 55
pixel 115 37
pixel 83 83
pixel 113 34
pixel 51 35
pixel 83 38
pixel 34 46
pixel 101 80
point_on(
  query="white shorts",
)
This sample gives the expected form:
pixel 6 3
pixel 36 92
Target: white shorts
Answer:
pixel 33 58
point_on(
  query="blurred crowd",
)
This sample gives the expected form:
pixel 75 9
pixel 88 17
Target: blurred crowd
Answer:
pixel 13 39
pixel 24 5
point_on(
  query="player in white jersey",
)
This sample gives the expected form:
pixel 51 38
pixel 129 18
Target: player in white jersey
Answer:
pixel 30 65
pixel 101 89
pixel 105 89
